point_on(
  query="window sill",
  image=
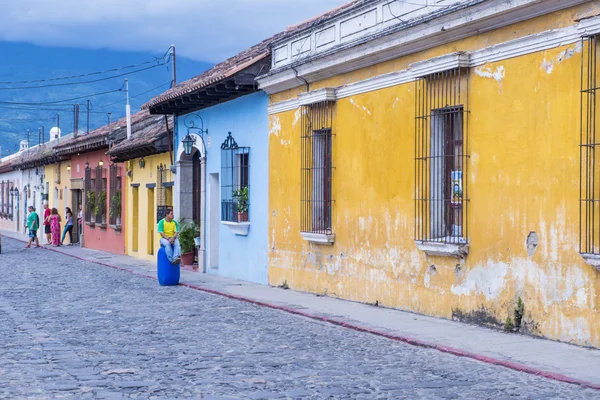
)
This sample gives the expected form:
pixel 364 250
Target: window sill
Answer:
pixel 90 224
pixel 115 227
pixel 101 226
pixel 592 260
pixel 444 249
pixel 319 238
pixel 238 228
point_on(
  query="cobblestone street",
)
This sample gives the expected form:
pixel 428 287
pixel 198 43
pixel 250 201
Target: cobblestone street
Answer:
pixel 72 329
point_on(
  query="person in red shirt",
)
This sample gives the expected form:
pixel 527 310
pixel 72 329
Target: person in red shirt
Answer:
pixel 47 230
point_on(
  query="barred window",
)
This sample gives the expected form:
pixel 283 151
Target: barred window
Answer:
pixel 441 155
pixel 100 195
pixel 235 181
pixel 90 195
pixel 164 192
pixel 11 200
pixel 589 185
pixel 116 201
pixel 3 199
pixel 316 168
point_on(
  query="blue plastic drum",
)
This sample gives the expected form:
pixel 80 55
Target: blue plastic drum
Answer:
pixel 168 274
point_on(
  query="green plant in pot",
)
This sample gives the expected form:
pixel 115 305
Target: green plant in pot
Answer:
pixel 115 207
pixel 188 231
pixel 90 205
pixel 240 197
pixel 101 206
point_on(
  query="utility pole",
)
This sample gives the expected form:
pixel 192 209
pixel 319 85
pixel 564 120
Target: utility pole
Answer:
pixel 128 109
pixel 89 107
pixel 174 66
pixel 75 120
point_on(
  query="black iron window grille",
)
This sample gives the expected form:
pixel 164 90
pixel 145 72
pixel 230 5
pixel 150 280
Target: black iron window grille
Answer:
pixel 100 195
pixel 90 196
pixel 589 184
pixel 441 157
pixel 164 191
pixel 3 186
pixel 115 206
pixel 11 204
pixel 235 181
pixel 316 199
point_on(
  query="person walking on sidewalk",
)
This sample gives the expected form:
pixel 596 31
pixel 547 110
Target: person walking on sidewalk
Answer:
pixel 54 220
pixel 68 227
pixel 47 229
pixel 33 224
pixel 168 229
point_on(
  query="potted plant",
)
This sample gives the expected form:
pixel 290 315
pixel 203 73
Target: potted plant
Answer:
pixel 115 208
pixel 241 199
pixel 90 205
pixel 187 233
pixel 101 206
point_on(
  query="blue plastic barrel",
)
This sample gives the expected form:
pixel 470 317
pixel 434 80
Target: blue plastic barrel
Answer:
pixel 168 274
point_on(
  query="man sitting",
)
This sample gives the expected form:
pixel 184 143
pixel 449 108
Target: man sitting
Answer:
pixel 168 229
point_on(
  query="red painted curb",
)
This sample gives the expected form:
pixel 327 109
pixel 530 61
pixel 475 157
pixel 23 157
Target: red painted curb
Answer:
pixel 404 339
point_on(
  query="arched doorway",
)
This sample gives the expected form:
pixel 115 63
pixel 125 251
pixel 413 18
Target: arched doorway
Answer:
pixel 190 197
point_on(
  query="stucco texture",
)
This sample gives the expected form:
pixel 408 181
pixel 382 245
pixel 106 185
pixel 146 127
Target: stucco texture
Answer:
pixel 147 246
pixel 523 177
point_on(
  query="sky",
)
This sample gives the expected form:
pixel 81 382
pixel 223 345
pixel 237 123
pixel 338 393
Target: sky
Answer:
pixel 203 30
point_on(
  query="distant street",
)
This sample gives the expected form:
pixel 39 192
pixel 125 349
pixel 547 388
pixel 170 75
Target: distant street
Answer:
pixel 74 330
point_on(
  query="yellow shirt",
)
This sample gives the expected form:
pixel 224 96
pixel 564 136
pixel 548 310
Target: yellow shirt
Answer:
pixel 168 228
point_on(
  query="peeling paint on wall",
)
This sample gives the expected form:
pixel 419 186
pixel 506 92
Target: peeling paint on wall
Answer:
pixel 548 65
pixel 275 126
pixel 496 74
pixel 487 281
pixel 365 109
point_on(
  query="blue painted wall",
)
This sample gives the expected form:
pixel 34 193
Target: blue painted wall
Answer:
pixel 240 257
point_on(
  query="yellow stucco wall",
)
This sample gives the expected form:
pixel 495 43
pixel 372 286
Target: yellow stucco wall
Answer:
pixel 523 177
pixel 143 176
pixel 59 195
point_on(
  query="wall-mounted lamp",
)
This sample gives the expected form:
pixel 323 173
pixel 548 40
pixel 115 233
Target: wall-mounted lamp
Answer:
pixel 69 167
pixel 100 163
pixel 189 141
pixel 87 164
pixel 142 162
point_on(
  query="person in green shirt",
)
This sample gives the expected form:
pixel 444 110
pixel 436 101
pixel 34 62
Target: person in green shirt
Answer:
pixel 168 229
pixel 33 224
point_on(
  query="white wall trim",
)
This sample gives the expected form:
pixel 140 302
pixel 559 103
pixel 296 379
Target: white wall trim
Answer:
pixel 316 96
pixel 283 106
pixel 440 64
pixel 237 228
pixel 514 48
pixel 443 249
pixel 318 238
pixel 377 47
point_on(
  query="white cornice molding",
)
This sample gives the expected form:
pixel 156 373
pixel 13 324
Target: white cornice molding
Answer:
pixel 502 51
pixel 440 64
pixel 375 48
pixel 283 106
pixel 316 96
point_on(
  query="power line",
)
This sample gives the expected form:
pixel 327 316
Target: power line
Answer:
pixel 85 82
pixel 104 106
pixel 166 57
pixel 64 100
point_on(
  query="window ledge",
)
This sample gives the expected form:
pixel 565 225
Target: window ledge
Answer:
pixel 115 227
pixel 90 224
pixel 443 249
pixel 592 259
pixel 238 228
pixel 101 226
pixel 319 238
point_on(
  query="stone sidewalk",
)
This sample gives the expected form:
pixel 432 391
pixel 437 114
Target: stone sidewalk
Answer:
pixel 547 358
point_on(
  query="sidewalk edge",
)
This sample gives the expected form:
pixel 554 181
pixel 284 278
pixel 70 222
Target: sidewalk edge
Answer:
pixel 355 327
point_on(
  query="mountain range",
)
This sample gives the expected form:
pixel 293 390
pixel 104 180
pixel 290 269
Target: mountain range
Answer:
pixel 46 99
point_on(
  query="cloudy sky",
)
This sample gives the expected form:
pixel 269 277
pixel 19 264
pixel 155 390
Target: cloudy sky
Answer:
pixel 205 30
